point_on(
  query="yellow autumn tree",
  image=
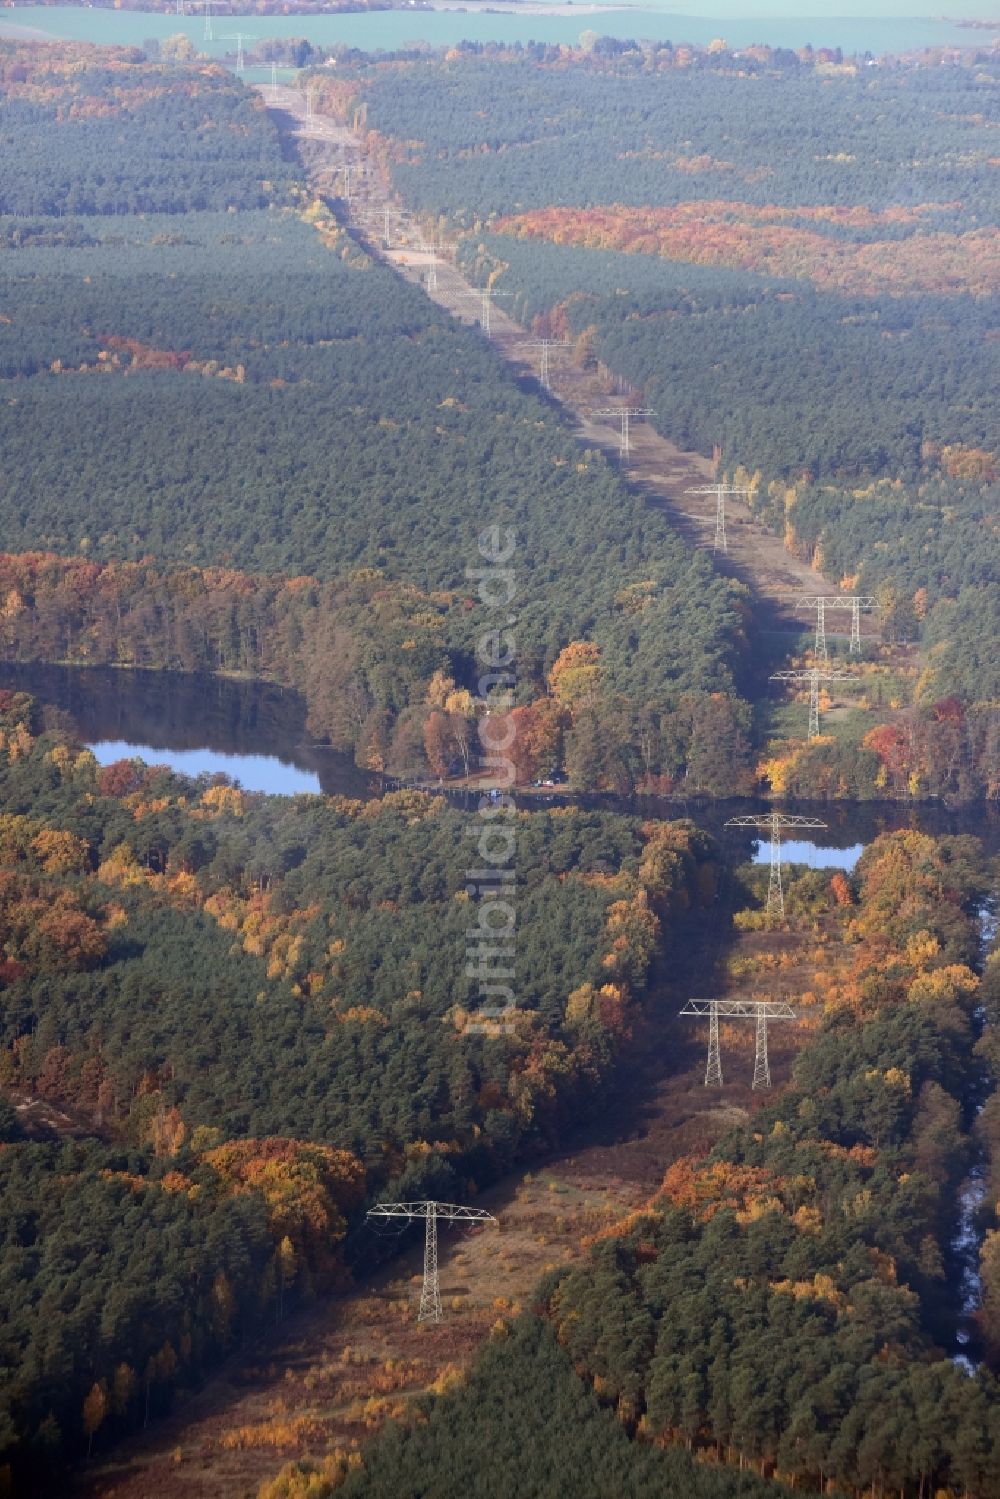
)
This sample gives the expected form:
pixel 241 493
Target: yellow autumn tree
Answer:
pixel 60 852
pixel 575 673
pixel 307 1190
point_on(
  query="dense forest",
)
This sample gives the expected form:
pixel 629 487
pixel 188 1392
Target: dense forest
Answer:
pixel 266 341
pixel 790 264
pixel 234 442
pixel 525 1424
pixel 891 380
pixel 242 1002
pixel 303 445
pixel 464 139
pixel 785 1302
pixel 195 141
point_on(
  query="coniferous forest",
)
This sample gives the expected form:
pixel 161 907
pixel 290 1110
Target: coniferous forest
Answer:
pixel 790 259
pixel 236 441
pixel 250 1006
pixel 317 422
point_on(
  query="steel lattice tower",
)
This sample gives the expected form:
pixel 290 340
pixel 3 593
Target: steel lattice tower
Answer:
pixel 544 345
pixel 774 823
pixel 239 37
pixel 720 491
pixel 625 414
pixel 813 675
pixel 431 1212
pixel 758 1010
pixel 821 602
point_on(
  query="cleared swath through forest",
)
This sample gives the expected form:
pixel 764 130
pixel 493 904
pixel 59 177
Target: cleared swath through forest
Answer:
pixel 663 472
pixel 335 1371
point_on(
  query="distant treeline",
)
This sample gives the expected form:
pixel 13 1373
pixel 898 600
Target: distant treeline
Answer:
pixel 463 135
pixel 196 138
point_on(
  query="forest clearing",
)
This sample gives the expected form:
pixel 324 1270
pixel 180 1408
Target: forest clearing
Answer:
pixel 662 471
pixel 337 1371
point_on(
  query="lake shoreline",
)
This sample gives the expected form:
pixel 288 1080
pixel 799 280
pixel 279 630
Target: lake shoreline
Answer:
pixel 263 723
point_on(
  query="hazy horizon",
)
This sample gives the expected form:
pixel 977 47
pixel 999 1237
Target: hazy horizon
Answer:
pixel 894 10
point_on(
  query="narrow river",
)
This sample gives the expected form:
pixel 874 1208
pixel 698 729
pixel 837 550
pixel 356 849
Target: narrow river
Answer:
pixel 968 1237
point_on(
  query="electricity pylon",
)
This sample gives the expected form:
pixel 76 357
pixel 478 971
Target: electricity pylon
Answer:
pixel 239 37
pixel 430 1291
pixel 429 248
pixel 773 823
pixel 208 35
pixel 720 491
pixel 544 345
pixel 312 122
pixel 822 602
pixel 349 169
pixel 485 297
pixel 813 675
pixel 858 602
pixel 626 413
pixel 758 1010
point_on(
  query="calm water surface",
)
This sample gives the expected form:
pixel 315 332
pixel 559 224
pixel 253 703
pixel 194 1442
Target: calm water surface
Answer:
pixel 248 730
pixel 397 28
pixel 257 734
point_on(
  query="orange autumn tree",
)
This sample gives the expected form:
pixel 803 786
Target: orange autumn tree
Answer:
pixel 537 742
pixel 902 876
pixel 675 867
pixel 707 1190
pixel 307 1190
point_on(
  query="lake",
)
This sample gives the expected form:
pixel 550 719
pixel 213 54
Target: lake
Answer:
pixel 250 731
pixel 256 733
pixel 396 28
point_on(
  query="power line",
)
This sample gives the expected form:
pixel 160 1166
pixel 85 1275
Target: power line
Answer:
pixel 760 1011
pixel 484 296
pixel 349 168
pixel 239 37
pixel 821 602
pixel 774 824
pixel 431 1212
pixel 720 491
pixel 813 675
pixel 625 413
pixel 544 345
pixel 430 248
pixel 311 124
